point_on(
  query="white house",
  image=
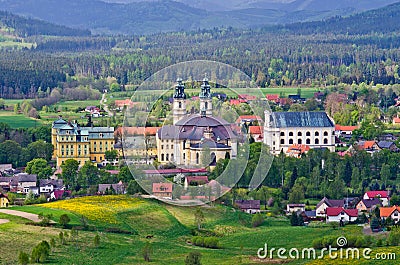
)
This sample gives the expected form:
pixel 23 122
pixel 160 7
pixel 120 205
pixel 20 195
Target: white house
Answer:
pixel 295 207
pixel 337 214
pixel 326 203
pixel 284 129
pixel 383 195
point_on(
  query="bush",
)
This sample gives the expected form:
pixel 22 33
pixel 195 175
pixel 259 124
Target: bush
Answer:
pixel 41 252
pixel 23 258
pixel 257 220
pixel 207 242
pixel 96 240
pixel 146 252
pixel 194 258
pixel 394 237
pixel 64 220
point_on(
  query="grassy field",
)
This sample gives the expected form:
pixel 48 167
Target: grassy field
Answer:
pixel 18 120
pixel 170 226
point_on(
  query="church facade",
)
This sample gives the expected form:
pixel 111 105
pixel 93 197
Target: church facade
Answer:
pixel 195 137
pixel 283 130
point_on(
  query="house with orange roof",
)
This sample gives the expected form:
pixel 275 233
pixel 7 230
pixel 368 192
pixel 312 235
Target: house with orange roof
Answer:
pixel 296 150
pixel 396 121
pixel 237 102
pixel 369 146
pixel 256 132
pixel 341 130
pixel 162 190
pixel 392 212
pixel 124 102
pixel 272 97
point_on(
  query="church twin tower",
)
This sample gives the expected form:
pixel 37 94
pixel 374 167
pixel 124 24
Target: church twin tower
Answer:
pixel 179 105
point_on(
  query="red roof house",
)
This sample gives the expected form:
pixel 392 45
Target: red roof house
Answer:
pixel 383 195
pixel 338 214
pixel 162 190
pixel 273 97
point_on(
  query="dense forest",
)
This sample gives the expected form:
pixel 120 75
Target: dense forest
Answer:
pixel 24 27
pixel 293 55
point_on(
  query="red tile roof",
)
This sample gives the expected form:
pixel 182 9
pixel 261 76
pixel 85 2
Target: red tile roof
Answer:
pixel 201 179
pixel 247 97
pixel 174 171
pixel 377 193
pixel 396 120
pixel 124 102
pixel 162 187
pixel 368 144
pixel 152 131
pixel 236 101
pixel 255 130
pixel 387 211
pixel 248 118
pixel 335 211
pixel 345 128
pixel 272 97
pixel 298 148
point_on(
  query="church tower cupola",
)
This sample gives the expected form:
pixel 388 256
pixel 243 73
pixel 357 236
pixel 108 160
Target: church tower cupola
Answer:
pixel 205 98
pixel 179 105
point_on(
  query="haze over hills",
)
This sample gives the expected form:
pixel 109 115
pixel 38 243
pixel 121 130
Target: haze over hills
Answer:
pixel 150 16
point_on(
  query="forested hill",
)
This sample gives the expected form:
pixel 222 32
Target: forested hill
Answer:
pixel 24 27
pixel 382 20
pixel 148 17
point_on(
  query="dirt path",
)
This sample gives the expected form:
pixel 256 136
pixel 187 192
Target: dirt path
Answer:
pixel 3 221
pixel 30 216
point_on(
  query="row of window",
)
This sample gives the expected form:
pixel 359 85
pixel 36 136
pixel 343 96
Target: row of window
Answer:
pixel 167 157
pixel 308 141
pixel 167 146
pixel 307 134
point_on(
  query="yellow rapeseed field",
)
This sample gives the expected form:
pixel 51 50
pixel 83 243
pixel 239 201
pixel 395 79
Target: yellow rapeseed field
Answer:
pixel 97 208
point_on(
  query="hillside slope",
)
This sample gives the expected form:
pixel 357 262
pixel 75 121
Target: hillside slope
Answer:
pixel 146 17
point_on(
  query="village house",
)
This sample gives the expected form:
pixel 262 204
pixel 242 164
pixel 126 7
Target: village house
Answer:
pixel 339 214
pixel 5 183
pixel 118 188
pixel 248 206
pixel 368 146
pixel 248 120
pixel 297 150
pixel 162 190
pixel 368 205
pixel 194 181
pixel 396 121
pixel 272 97
pixel 392 212
pixel 59 194
pixel 295 207
pixel 257 133
pixel 388 145
pixel 49 185
pixel 23 182
pixel 326 203
pixel 4 201
pixel 383 195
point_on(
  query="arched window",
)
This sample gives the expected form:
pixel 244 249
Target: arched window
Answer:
pixel 162 157
pixel 213 159
pixel 325 141
pixel 184 156
pixel 282 134
pixel 299 134
pixel 291 134
pixel 316 133
pixel 325 133
pixel 299 141
pixel 167 157
pixel 172 157
pixel 180 105
pixel 290 141
pixel 308 134
pixel 197 158
pixel 308 141
pixel 282 141
pixel 316 141
pixel 206 105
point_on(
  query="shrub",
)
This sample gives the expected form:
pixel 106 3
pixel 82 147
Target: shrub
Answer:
pixel 64 220
pixel 23 258
pixel 96 240
pixel 146 252
pixel 194 258
pixel 207 242
pixel 394 237
pixel 40 252
pixel 257 220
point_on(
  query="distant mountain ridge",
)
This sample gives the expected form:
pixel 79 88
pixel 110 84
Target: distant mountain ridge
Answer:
pixel 148 16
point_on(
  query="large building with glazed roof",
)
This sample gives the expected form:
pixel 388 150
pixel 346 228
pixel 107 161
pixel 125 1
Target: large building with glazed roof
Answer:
pixel 71 141
pixel 185 142
pixel 283 130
